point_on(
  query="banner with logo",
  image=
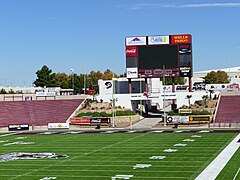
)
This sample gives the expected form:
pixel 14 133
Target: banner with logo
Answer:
pixel 45 94
pixel 136 41
pixel 80 121
pixel 18 127
pixel 58 125
pixel 185 49
pixel 131 51
pixel 99 121
pixel 132 72
pixel 177 119
pixel 181 39
pixel 185 71
pixel 90 121
pixel 155 40
pixel 185 111
pixel 200 118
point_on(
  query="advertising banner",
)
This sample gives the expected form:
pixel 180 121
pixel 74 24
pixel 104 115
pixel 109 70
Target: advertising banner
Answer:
pixel 156 40
pixel 185 49
pixel 203 118
pixel 18 127
pixel 136 41
pixel 132 72
pixel 169 95
pixel 80 121
pixel 108 85
pixel 177 119
pixel 58 125
pixel 99 121
pixel 90 121
pixel 138 97
pixel 181 39
pixel 185 72
pixel 131 51
pixel 185 111
pixel 45 94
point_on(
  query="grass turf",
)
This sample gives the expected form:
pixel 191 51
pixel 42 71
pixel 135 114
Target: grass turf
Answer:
pixel 102 156
pixel 231 170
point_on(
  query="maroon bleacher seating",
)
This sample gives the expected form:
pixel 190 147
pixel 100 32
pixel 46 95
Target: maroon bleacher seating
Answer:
pixel 228 110
pixel 37 113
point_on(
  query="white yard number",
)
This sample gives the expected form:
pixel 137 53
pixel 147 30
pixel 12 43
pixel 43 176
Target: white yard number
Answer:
pixel 48 178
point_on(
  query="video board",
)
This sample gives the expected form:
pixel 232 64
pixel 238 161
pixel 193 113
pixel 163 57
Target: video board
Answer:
pixel 158 56
pixel 151 57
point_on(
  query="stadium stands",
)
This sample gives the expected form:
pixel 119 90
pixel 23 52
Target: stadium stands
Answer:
pixel 37 113
pixel 228 109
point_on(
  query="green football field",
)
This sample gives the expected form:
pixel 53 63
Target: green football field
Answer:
pixel 105 156
pixel 232 169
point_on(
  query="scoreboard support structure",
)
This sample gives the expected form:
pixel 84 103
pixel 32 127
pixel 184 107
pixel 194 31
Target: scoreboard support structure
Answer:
pixel 190 84
pixel 129 86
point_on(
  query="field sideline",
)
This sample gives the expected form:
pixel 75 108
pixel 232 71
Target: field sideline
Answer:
pixel 109 155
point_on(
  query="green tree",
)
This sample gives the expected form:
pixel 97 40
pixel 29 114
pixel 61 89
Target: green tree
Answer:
pixel 98 74
pixel 77 84
pixel 211 91
pixel 180 81
pixel 45 77
pixel 219 77
pixel 11 91
pixel 3 91
pixel 94 94
pixel 123 75
pixel 81 78
pixel 92 79
pixel 108 74
pixel 62 80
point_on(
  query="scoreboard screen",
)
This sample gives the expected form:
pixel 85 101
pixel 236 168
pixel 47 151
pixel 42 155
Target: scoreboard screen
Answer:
pixel 152 57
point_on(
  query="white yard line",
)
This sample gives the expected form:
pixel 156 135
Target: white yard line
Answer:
pixel 216 166
pixel 96 177
pixel 236 174
pixel 97 165
pixel 9 134
pixel 101 170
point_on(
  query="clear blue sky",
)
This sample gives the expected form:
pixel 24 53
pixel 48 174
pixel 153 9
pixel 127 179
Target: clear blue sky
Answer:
pixel 90 35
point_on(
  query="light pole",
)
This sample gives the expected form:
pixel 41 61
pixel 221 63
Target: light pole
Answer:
pixel 113 101
pixel 164 115
pixel 84 84
pixel 72 70
pixel 141 109
pixel 84 80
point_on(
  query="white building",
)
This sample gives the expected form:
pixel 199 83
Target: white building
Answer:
pixel 157 94
pixel 34 90
pixel 233 73
pixel 154 98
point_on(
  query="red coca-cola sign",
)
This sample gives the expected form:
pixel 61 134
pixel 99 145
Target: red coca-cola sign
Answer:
pixel 131 51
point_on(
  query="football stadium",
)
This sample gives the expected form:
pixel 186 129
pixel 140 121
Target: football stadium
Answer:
pixel 133 127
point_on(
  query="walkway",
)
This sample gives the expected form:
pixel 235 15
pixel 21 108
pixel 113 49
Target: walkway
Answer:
pixel 216 166
pixel 146 123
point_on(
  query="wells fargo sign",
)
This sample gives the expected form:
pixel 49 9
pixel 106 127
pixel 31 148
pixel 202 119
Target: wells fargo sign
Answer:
pixel 181 39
